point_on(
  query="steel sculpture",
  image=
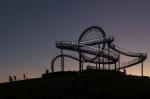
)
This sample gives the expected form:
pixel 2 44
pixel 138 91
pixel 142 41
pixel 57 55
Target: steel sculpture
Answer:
pixel 99 50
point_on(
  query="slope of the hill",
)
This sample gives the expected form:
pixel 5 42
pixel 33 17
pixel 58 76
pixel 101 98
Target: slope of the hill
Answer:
pixel 73 85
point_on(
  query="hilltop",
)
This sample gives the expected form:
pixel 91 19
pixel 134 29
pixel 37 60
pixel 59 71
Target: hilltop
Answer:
pixel 74 85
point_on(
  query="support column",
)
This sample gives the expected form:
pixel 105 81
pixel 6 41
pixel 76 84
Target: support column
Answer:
pixel 80 63
pixel 96 66
pixel 62 60
pixel 109 66
pixel 108 59
pixel 99 65
pixel 103 63
pixel 81 66
pixel 115 66
pixel 119 62
pixel 142 69
pixel 99 58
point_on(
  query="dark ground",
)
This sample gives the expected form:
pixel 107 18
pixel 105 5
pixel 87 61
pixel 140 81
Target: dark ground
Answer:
pixel 73 85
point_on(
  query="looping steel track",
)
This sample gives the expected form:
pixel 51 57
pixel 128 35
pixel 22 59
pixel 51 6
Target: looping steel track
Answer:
pixel 97 48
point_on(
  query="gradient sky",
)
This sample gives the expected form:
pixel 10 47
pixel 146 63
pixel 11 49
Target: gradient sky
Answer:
pixel 29 29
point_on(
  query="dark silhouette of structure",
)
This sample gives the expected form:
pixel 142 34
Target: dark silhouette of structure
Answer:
pixel 94 46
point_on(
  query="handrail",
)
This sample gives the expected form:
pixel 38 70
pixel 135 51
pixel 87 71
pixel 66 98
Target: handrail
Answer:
pixel 111 53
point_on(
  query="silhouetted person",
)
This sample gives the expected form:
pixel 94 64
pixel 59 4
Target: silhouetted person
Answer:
pixel 24 76
pixel 47 71
pixel 124 70
pixel 15 78
pixel 10 79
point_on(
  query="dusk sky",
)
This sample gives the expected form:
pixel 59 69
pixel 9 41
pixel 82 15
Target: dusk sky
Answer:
pixel 29 29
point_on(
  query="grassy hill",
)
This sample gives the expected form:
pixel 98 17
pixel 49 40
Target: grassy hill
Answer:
pixel 74 85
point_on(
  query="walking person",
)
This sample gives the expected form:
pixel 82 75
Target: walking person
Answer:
pixel 10 79
pixel 15 78
pixel 24 76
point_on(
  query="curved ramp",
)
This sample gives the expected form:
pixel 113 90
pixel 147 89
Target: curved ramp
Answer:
pixel 98 50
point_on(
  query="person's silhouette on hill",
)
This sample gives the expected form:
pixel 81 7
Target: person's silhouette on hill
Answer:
pixel 47 71
pixel 24 76
pixel 124 70
pixel 15 78
pixel 10 79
